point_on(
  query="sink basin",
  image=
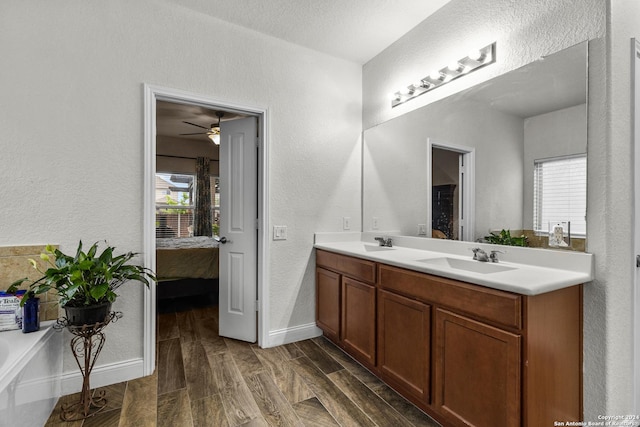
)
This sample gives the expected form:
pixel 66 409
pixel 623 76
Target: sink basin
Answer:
pixel 467 265
pixel 374 248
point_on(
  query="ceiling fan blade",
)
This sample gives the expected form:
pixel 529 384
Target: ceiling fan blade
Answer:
pixel 193 124
pixel 196 133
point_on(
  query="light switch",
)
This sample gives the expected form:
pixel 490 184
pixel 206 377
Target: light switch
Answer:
pixel 374 223
pixel 346 223
pixel 279 232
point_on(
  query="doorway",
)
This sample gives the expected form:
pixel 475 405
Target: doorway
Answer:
pixel 254 140
pixel 450 191
pixel 445 194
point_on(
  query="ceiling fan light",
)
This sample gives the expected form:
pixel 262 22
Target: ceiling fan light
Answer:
pixel 215 138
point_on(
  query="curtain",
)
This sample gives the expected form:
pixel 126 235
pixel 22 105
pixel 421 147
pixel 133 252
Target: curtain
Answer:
pixel 202 225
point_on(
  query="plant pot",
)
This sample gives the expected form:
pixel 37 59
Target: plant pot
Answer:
pixel 88 314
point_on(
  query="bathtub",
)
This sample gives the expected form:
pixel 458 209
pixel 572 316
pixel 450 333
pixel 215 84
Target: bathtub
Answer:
pixel 30 374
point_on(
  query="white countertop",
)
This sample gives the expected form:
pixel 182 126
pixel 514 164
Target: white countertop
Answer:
pixel 531 271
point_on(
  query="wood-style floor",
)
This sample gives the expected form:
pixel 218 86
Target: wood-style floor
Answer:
pixel 203 379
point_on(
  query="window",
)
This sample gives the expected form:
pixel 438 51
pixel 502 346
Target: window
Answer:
pixel 560 193
pixel 175 204
pixel 215 202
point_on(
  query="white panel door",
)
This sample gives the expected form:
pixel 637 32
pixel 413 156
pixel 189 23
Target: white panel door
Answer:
pixel 238 214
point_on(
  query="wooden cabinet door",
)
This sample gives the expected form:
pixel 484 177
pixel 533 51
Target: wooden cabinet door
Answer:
pixel 477 372
pixel 404 344
pixel 358 331
pixel 328 303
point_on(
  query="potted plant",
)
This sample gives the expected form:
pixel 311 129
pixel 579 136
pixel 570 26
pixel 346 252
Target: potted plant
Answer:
pixel 86 283
pixel 505 238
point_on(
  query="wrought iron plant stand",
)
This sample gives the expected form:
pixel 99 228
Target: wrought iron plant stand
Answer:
pixel 86 345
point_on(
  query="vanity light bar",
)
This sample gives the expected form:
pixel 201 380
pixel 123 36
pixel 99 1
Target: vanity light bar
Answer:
pixel 471 62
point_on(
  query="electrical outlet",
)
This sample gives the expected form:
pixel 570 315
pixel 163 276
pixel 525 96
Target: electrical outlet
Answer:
pixel 374 223
pixel 279 232
pixel 422 229
pixel 346 223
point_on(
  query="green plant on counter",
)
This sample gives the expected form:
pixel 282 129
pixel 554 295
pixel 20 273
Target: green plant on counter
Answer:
pixel 505 238
pixel 87 278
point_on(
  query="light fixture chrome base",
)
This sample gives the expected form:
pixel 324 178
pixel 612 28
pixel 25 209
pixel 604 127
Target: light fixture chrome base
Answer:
pixel 464 66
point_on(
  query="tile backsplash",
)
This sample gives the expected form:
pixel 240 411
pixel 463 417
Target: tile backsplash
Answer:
pixel 537 241
pixel 15 265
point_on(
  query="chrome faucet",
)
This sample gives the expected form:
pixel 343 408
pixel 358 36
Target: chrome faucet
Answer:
pixel 384 241
pixel 494 255
pixel 480 255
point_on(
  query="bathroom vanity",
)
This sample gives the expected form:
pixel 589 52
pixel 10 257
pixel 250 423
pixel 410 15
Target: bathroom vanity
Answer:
pixel 454 337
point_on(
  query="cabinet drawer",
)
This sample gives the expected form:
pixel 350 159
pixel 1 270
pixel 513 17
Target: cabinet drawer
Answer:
pixel 500 307
pixel 356 268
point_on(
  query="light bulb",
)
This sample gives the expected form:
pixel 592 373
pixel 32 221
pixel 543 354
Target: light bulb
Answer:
pixel 476 55
pixel 214 137
pixel 435 75
pixel 455 66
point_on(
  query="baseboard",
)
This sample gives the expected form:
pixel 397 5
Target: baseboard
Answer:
pixel 104 375
pixel 293 334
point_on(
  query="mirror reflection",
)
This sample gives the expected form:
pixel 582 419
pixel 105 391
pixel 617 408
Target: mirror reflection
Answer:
pixel 503 161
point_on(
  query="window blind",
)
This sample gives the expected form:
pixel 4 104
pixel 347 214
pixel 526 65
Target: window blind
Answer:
pixel 560 193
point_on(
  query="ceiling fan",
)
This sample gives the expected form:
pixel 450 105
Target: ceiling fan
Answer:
pixel 213 132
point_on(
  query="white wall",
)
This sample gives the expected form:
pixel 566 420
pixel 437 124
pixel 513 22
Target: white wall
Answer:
pixel 555 134
pixel 525 31
pixel 71 133
pixel 612 197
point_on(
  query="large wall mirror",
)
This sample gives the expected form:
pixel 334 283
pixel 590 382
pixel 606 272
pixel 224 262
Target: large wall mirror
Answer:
pixel 507 154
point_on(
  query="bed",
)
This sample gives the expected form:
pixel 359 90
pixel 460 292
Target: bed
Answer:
pixel 186 265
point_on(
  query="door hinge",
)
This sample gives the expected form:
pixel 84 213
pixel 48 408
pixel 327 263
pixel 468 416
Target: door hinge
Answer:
pixel 257 305
pixel 258 142
pixel 257 223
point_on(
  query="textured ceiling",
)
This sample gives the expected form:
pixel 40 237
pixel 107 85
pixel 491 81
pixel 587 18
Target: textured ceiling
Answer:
pixel 356 30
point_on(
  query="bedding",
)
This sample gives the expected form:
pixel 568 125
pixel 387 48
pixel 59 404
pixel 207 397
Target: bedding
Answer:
pixel 187 258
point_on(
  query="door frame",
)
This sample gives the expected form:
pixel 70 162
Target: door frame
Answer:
pixel 152 94
pixel 467 209
pixel 635 143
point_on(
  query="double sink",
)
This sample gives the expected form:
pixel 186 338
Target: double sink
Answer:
pixel 449 262
pixel 526 271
